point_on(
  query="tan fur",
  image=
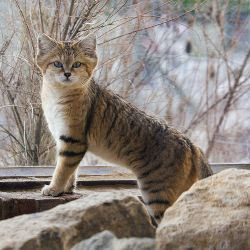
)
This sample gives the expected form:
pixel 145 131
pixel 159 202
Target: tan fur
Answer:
pixel 84 116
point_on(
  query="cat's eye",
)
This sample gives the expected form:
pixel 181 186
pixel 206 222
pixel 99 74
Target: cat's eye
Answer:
pixel 58 64
pixel 76 65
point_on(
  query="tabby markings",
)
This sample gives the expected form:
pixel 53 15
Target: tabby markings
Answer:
pixel 112 125
pixel 152 182
pixel 90 114
pixel 71 153
pixel 158 201
pixel 70 165
pixel 152 191
pixel 69 139
pixel 159 216
pixel 150 171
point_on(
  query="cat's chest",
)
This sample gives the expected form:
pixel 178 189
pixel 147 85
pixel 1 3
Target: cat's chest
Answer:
pixel 55 119
pixel 62 112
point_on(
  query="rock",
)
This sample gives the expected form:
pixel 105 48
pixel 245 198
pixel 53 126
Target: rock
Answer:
pixel 213 214
pixel 106 240
pixel 65 225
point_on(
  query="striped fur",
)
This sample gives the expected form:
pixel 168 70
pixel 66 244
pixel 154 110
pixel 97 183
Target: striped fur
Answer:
pixel 84 116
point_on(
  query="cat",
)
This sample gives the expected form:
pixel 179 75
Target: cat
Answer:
pixel 83 116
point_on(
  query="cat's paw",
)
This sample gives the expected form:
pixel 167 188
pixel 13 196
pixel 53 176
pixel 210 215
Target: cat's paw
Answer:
pixel 71 185
pixel 69 189
pixel 51 191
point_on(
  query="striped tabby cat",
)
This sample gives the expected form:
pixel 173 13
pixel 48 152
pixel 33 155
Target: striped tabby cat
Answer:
pixel 84 116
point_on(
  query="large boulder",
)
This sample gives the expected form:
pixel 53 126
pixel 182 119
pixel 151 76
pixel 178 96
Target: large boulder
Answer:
pixel 108 241
pixel 67 224
pixel 213 214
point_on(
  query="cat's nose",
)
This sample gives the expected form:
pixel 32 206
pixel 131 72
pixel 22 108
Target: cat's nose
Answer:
pixel 67 74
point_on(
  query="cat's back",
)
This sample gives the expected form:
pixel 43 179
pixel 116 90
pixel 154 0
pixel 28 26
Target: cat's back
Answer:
pixel 122 130
pixel 124 134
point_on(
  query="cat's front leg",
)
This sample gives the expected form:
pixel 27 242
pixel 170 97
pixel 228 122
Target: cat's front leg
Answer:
pixel 71 185
pixel 69 157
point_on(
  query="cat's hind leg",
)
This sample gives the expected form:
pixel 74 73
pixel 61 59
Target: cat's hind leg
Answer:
pixel 157 201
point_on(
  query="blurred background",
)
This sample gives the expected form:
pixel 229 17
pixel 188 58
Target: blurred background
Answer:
pixel 186 62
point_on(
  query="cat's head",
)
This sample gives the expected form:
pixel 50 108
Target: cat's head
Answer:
pixel 66 63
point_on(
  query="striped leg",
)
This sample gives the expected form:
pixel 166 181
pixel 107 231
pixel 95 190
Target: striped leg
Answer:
pixel 69 157
pixel 157 198
pixel 71 185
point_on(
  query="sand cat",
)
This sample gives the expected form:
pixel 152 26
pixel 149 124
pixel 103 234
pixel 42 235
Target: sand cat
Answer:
pixel 83 116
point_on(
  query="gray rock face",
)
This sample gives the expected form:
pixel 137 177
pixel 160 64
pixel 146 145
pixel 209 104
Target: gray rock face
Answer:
pixel 213 214
pixel 108 241
pixel 65 225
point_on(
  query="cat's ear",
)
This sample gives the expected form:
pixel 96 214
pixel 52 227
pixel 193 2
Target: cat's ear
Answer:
pixel 45 44
pixel 87 45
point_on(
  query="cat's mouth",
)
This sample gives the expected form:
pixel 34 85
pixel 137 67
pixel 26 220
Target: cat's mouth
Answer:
pixel 67 80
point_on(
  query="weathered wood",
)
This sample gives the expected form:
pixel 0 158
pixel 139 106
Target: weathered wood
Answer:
pixel 20 184
pixel 16 203
pixel 217 167
pixel 47 171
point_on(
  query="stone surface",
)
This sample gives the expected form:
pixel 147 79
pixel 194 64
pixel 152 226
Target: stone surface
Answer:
pixel 17 203
pixel 26 201
pixel 213 214
pixel 67 224
pixel 106 240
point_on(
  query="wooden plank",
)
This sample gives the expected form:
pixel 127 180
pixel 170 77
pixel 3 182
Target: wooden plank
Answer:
pixel 15 178
pixel 217 167
pixel 17 184
pixel 47 171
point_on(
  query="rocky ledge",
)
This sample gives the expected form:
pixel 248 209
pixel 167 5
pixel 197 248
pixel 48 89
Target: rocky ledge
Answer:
pixel 213 214
pixel 65 225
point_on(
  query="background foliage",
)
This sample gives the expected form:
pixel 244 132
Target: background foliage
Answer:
pixel 186 62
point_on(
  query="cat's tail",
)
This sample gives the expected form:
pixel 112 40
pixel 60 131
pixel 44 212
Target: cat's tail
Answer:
pixel 205 168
